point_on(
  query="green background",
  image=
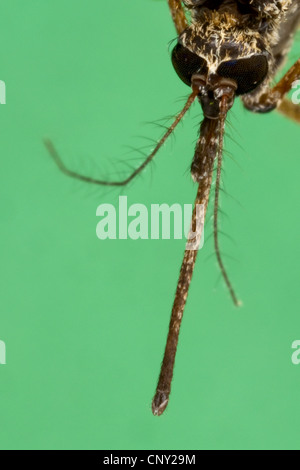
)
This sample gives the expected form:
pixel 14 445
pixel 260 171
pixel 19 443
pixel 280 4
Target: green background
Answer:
pixel 84 320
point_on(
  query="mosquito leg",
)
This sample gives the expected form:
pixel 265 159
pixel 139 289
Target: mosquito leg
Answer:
pixel 202 170
pixel 178 15
pixel 272 98
pixel 290 110
pixel 57 159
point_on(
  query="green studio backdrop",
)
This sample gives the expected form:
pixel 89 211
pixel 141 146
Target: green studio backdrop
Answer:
pixel 84 321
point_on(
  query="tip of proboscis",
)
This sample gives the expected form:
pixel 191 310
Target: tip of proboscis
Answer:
pixel 159 403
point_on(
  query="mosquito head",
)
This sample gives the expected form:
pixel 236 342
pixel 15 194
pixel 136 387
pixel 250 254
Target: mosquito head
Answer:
pixel 218 54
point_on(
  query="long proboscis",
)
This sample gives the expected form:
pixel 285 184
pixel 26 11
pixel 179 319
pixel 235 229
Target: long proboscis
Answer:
pixel 203 163
pixel 209 146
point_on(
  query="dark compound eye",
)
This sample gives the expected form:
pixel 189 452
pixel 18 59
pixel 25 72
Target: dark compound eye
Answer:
pixel 187 64
pixel 248 73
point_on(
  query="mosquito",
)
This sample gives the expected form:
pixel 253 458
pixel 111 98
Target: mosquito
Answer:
pixel 225 49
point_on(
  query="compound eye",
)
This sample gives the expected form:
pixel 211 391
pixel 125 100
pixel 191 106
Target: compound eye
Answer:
pixel 248 73
pixel 186 63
